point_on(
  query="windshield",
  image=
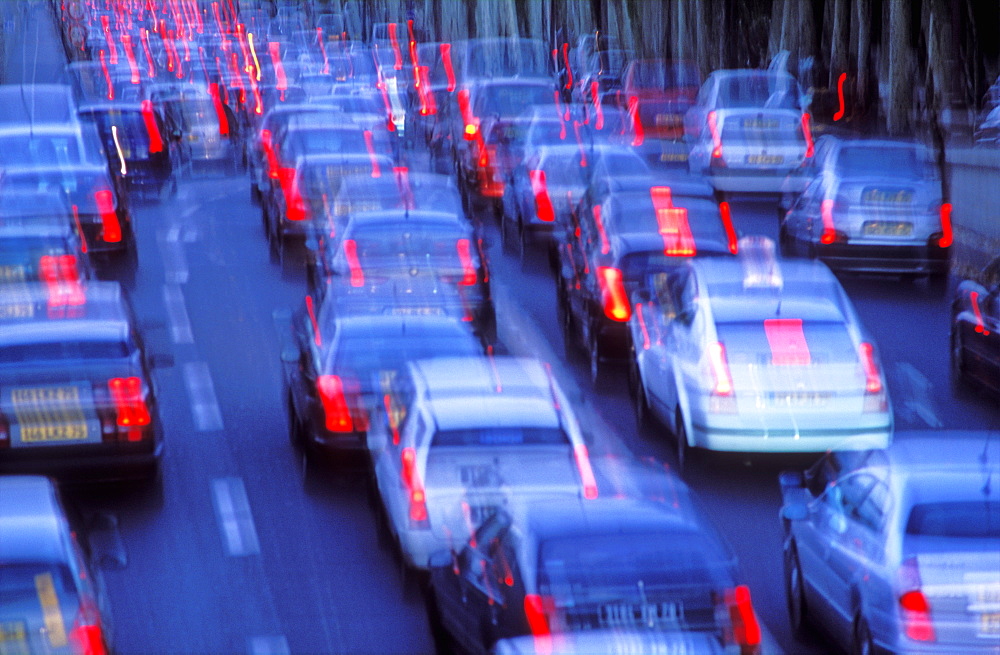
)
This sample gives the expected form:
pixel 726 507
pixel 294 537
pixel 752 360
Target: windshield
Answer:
pixel 964 519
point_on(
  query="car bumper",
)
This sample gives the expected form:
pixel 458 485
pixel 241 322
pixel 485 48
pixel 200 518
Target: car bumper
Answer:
pixel 97 462
pixel 756 181
pixel 762 440
pixel 864 258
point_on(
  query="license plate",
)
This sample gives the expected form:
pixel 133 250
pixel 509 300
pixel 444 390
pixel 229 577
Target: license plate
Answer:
pixel 11 274
pixel 17 310
pixel 674 156
pixel 989 624
pixel 651 615
pixel 760 124
pixel 768 160
pixel 417 311
pixel 49 414
pixel 13 638
pixel 800 399
pixel 479 476
pixel 668 120
pixel 875 196
pixel 887 228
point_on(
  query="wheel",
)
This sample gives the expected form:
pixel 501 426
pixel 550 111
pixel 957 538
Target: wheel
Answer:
pixel 683 452
pixel 795 593
pixel 861 638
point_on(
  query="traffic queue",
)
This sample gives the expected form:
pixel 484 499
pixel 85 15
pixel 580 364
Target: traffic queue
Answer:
pixel 383 163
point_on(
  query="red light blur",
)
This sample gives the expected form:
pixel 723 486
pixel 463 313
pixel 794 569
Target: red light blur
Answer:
pixel 946 233
pixel 787 342
pixel 633 111
pixel 398 64
pixel 586 471
pixel 311 309
pixel 543 203
pixel 469 276
pixel 746 630
pixel 917 616
pixel 112 229
pixel 720 370
pixel 873 380
pixel 331 395
pixel 980 325
pixel 727 223
pixel 449 70
pixel 351 253
pixel 616 304
pixel 370 145
pixel 152 130
pixel 713 127
pixel 129 404
pixel 807 133
pixel 829 234
pixel 840 97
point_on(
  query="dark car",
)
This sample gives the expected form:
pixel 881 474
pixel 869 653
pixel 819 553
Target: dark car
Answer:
pixel 579 566
pixel 50 602
pixel 40 249
pixel 975 329
pixel 338 368
pixel 76 395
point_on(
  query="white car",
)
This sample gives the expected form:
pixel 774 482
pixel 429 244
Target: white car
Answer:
pixel 477 433
pixel 756 354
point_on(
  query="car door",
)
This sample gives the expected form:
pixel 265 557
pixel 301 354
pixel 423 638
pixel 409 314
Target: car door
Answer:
pixel 983 341
pixel 662 386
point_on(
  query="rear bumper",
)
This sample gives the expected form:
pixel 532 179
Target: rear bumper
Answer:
pixel 757 181
pixel 98 462
pixel 864 258
pixel 749 440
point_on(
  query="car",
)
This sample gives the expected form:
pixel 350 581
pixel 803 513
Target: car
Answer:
pixel 755 354
pixel 211 140
pixel 476 434
pixel 897 550
pixel 657 94
pixel 579 566
pixel 36 104
pixel 51 144
pixel 50 601
pixel 337 368
pixel 612 641
pixel 747 133
pixel 601 80
pixel 608 248
pixel 40 248
pixel 872 206
pixel 76 396
pixel 975 329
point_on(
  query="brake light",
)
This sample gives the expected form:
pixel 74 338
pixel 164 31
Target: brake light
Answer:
pixel 334 401
pixel 296 208
pixel 411 478
pixel 60 275
pixel 807 133
pixel 605 245
pixel 351 254
pixel 370 144
pixel 633 110
pixel 220 111
pixel 269 152
pixel 582 457
pixel 87 640
pixel 449 70
pixel 595 95
pixel 873 379
pixel 569 69
pixel 130 55
pixel 398 64
pixel 829 234
pixel 469 276
pixel 916 610
pixel 109 219
pixel 616 305
pixel 980 324
pixel 534 612
pixel 129 405
pixel 273 49
pixel 946 233
pixel 471 123
pixel 152 130
pixel 727 223
pixel 543 203
pixel 713 127
pixel 428 105
pixel 723 382
pixel 746 629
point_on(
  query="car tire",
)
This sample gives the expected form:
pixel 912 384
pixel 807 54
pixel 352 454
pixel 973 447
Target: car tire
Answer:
pixel 795 597
pixel 643 412
pixel 861 638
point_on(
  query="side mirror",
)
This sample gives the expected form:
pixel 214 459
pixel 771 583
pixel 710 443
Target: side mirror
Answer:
pixel 176 134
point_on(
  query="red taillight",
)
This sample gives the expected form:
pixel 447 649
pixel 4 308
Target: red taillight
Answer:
pixel 220 111
pixel 543 203
pixel 807 133
pixel 595 96
pixel 616 304
pixel 582 457
pixel 295 205
pixel 980 324
pixel 61 276
pixel 109 219
pixel 449 70
pixel 672 223
pixel 470 122
pixel 469 276
pixel 946 233
pixel 334 401
pixel 130 406
pixel 746 629
pixel 272 156
pixel 829 234
pixel 351 254
pixel 149 119
pixel 398 63
pixel 411 478
pixel 370 145
pixel 534 612
pixel 569 69
pixel 274 49
pixel 723 382
pixel 727 223
pixel 713 127
pixel 633 110
pixel 605 245
pixel 873 379
pixel 87 640
pixel 917 616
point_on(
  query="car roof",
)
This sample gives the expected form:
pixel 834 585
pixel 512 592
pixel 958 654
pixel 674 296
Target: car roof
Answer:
pixel 30 520
pixel 566 518
pixel 387 325
pixel 510 376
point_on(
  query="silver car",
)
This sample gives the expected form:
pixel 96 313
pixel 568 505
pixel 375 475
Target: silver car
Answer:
pixel 898 550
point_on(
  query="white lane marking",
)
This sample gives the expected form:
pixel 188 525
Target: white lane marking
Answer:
pixel 232 508
pixel 268 645
pixel 191 211
pixel 175 265
pixel 204 406
pixel 916 390
pixel 180 325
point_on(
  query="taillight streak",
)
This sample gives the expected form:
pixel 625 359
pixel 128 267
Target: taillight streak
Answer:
pixel 746 629
pixel 946 232
pixel 543 203
pixel 615 300
pixel 449 70
pixel 370 145
pixel 394 41
pixel 60 275
pixel 980 325
pixel 873 378
pixel 633 111
pixel 727 222
pixel 829 234
pixel 713 128
pixel 598 109
pixel 534 612
pixel 469 276
pixel 807 133
pixel 351 255
pixel 582 457
pixel 334 402
pixel 112 229
pixel 279 68
pixel 130 406
pixel 220 110
pixel 723 382
pixel 415 487
pixel 605 245
pixel 152 130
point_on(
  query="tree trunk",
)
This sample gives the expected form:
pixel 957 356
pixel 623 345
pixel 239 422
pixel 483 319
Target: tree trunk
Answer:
pixel 774 39
pixel 900 69
pixel 862 57
pixel 839 40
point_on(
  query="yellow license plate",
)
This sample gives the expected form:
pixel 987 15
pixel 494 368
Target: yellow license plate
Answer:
pixel 989 623
pixel 769 160
pixel 668 120
pixel 673 156
pixel 886 196
pixel 13 638
pixel 76 431
pixel 17 310
pixel 49 414
pixel 11 274
pixel 887 228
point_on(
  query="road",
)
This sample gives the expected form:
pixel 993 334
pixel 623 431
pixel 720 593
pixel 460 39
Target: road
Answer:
pixel 243 548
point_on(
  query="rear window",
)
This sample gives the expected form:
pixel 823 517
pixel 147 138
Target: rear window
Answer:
pixel 964 519
pixel 380 353
pixel 502 436
pixel 130 130
pixel 763 129
pixel 787 342
pixel 391 240
pixel 508 100
pixel 904 163
pixel 65 350
pixel 308 142
pixel 772 91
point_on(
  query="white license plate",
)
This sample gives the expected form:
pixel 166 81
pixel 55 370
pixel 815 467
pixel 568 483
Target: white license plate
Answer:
pixel 765 160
